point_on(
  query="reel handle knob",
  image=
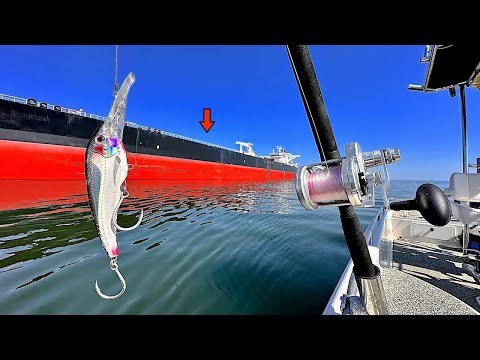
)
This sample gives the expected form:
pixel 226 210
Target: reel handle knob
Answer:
pixel 404 205
pixel 431 202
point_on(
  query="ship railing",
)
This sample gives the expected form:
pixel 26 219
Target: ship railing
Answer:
pixel 198 141
pixel 13 98
pixel 98 117
pixel 49 106
pixel 135 125
pixel 103 118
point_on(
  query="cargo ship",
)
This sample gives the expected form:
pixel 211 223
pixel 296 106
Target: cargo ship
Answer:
pixel 39 141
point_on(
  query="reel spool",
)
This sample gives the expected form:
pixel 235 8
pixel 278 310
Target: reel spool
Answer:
pixel 344 181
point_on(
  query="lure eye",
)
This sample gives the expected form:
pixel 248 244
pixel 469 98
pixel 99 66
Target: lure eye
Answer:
pixel 100 138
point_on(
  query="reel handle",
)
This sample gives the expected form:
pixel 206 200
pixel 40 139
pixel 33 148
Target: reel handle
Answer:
pixel 431 202
pixel 404 205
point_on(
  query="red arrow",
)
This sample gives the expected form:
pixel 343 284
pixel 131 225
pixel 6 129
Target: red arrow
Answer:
pixel 207 123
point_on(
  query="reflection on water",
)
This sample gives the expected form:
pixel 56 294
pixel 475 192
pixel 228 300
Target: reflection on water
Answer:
pixel 202 248
pixel 60 208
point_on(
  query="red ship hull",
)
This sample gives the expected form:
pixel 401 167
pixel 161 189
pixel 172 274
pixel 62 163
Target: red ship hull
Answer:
pixel 34 161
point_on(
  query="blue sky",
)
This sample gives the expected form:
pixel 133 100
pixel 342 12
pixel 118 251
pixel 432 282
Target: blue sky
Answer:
pixel 254 97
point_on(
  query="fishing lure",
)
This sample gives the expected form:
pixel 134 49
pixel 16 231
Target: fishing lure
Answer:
pixel 106 171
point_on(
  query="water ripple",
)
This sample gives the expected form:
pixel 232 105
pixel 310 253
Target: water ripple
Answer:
pixel 202 248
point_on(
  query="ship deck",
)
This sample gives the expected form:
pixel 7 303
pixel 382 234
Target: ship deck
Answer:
pixel 427 276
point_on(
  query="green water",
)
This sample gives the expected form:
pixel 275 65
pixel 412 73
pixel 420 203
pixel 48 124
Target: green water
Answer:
pixel 201 249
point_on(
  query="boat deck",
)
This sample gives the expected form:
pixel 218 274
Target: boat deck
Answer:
pixel 427 276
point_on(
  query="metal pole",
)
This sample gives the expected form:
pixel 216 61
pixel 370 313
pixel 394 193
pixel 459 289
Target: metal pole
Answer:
pixel 463 110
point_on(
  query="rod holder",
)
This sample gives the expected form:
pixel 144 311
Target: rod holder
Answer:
pixel 372 293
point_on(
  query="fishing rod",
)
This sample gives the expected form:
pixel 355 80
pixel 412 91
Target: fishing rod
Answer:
pixel 340 181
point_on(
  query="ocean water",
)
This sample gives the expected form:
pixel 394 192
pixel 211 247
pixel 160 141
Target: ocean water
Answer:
pixel 202 248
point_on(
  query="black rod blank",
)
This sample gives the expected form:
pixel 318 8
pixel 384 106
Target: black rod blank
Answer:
pixel 316 110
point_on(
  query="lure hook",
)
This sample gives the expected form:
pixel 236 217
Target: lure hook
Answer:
pixel 113 267
pixel 125 194
pixel 130 228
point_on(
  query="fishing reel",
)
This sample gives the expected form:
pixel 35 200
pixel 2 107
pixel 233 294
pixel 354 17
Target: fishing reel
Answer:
pixel 345 181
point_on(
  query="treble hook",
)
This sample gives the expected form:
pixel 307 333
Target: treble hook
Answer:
pixel 113 267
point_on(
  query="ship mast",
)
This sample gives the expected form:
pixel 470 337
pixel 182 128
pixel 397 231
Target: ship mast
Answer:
pixel 115 86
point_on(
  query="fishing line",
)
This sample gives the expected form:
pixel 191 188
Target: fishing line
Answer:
pixel 326 186
pixel 115 86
